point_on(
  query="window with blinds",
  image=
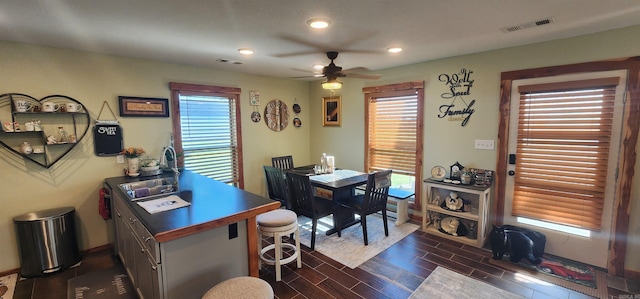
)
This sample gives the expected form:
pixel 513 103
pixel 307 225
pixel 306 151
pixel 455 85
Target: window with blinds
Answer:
pixel 393 133
pixel 392 136
pixel 209 136
pixel 564 132
pixel 207 128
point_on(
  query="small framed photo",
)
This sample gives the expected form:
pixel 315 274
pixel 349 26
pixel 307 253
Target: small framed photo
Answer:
pixel 145 107
pixel 331 111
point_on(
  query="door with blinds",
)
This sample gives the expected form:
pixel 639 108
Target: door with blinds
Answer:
pixel 564 142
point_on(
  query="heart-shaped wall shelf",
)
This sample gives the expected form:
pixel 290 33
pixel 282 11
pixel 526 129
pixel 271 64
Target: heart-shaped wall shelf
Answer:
pixel 42 131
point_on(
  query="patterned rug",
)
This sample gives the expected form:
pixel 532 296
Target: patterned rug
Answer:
pixel 109 283
pixel 349 249
pixel 8 285
pixel 562 272
pixel 446 284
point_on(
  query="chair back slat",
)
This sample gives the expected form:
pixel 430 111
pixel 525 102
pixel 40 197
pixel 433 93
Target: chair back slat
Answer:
pixel 301 194
pixel 377 191
pixel 284 162
pixel 277 186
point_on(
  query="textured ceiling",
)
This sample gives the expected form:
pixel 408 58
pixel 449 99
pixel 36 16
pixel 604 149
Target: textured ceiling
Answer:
pixel 200 32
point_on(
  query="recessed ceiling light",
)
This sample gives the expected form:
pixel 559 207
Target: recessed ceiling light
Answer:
pixel 318 23
pixel 394 50
pixel 245 51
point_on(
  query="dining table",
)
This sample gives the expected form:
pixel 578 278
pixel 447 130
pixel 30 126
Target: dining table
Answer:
pixel 342 184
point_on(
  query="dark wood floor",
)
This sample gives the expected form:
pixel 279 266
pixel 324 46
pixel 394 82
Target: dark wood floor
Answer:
pixel 394 273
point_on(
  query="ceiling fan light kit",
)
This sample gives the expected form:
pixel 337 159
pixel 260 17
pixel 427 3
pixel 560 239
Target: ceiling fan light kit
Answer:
pixel 331 84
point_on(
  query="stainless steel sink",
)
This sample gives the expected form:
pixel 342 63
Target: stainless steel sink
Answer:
pixel 149 189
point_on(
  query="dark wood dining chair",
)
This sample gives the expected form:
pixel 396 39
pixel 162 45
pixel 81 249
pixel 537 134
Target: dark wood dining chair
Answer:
pixel 284 162
pixel 373 200
pixel 305 203
pixel 277 187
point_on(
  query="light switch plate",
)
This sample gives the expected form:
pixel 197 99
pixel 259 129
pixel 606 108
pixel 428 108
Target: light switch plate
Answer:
pixel 484 144
pixel 120 159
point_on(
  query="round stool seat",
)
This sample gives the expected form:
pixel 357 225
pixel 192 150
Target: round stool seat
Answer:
pixel 276 224
pixel 277 218
pixel 244 287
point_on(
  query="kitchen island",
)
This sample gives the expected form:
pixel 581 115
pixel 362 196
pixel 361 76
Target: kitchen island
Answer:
pixel 181 253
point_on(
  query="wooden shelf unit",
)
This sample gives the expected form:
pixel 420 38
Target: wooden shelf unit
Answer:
pixel 479 198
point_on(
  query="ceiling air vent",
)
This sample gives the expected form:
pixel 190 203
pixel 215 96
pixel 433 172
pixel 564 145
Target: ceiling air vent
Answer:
pixel 545 21
pixel 228 61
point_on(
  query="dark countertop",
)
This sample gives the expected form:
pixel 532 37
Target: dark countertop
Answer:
pixel 213 204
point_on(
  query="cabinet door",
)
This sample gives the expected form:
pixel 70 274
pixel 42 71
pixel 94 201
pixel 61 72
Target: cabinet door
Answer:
pixel 121 234
pixel 147 274
pixel 131 247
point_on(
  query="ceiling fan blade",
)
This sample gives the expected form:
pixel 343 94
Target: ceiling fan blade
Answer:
pixel 357 70
pixel 299 53
pixel 363 76
pixel 311 75
pixel 355 73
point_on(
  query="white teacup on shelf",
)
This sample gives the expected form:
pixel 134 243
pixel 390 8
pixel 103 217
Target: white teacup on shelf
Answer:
pixel 50 107
pixel 22 105
pixel 73 107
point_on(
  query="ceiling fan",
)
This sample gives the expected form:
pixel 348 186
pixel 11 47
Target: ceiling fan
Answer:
pixel 332 72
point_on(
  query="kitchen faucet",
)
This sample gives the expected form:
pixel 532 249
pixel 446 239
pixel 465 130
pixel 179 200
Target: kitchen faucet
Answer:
pixel 174 158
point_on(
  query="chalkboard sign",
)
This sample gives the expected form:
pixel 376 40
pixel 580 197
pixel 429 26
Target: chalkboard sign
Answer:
pixel 108 139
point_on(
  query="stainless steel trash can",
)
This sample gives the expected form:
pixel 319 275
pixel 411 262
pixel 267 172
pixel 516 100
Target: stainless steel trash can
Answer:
pixel 46 241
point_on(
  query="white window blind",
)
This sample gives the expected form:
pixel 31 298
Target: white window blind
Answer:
pixel 562 149
pixel 209 136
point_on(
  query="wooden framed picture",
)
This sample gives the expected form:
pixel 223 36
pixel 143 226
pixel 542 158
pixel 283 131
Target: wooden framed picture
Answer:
pixel 146 107
pixel 331 111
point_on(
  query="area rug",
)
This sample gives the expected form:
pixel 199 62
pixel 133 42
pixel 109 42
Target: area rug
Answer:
pixel 562 272
pixel 443 283
pixel 8 285
pixel 109 283
pixel 349 249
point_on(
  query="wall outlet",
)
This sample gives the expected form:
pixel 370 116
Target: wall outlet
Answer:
pixel 484 144
pixel 120 159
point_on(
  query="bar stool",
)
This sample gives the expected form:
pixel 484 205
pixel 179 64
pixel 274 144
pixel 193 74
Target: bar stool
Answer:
pixel 276 224
pixel 244 287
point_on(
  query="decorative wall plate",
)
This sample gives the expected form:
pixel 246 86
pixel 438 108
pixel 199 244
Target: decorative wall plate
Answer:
pixel 297 122
pixel 255 116
pixel 296 108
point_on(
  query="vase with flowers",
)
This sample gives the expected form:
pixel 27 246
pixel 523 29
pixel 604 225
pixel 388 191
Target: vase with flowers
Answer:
pixel 132 154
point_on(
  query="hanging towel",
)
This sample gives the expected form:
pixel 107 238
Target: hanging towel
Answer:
pixel 104 206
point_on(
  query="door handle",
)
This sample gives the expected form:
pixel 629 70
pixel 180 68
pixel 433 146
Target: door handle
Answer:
pixel 511 173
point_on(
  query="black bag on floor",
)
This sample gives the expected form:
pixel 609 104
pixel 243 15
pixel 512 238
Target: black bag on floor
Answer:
pixel 518 242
